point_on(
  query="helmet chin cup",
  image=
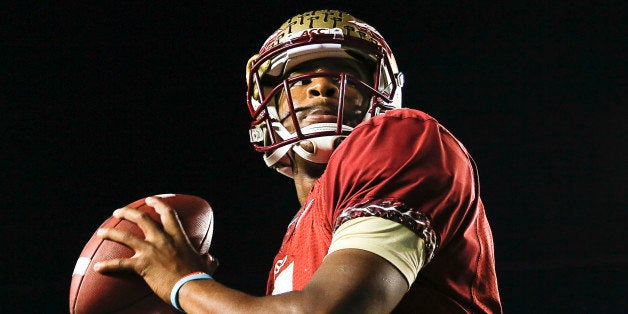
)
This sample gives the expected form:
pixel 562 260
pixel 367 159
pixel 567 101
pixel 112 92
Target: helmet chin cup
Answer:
pixel 323 147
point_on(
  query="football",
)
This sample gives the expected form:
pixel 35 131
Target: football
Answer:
pixel 93 292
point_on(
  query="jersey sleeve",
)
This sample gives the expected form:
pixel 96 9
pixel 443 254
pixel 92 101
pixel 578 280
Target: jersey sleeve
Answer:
pixel 405 167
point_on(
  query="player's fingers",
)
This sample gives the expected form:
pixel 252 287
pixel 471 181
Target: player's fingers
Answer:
pixel 114 265
pixel 148 225
pixel 169 218
pixel 123 237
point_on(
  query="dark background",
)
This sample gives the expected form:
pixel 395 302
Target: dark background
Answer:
pixel 106 104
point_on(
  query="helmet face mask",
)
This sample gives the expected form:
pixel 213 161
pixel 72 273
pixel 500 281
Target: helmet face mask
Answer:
pixel 310 37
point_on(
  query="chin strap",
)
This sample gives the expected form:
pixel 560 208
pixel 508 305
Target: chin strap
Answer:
pixel 322 147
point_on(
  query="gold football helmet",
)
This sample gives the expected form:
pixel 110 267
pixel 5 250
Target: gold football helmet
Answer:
pixel 305 37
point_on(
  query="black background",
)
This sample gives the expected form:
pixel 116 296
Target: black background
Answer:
pixel 106 104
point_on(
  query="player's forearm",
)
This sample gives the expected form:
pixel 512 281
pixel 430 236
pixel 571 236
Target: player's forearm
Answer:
pixel 348 281
pixel 210 296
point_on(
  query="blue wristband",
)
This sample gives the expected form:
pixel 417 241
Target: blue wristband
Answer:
pixel 174 293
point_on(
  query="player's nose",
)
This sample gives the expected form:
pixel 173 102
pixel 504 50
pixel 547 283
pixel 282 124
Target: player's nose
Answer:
pixel 323 87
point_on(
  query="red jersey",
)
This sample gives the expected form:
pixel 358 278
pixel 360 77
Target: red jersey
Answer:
pixel 402 166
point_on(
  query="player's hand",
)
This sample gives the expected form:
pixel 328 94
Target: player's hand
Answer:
pixel 164 256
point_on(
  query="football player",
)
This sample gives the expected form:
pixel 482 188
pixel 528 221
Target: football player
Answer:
pixel 391 217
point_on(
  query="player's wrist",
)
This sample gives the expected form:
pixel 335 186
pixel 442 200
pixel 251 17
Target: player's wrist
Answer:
pixel 174 293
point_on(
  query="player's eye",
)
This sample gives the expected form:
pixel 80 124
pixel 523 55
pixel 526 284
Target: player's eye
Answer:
pixel 352 83
pixel 302 82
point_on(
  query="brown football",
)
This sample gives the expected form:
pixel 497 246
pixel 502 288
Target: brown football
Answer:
pixel 93 292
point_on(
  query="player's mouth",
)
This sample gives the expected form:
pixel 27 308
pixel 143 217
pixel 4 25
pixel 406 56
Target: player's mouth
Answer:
pixel 323 112
pixel 317 117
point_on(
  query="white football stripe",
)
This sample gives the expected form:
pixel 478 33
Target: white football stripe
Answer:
pixel 81 266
